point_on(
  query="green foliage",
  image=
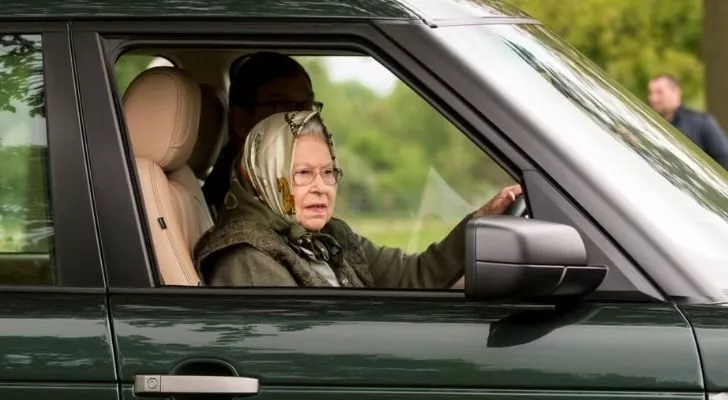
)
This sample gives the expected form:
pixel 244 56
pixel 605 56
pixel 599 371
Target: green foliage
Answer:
pixel 632 40
pixel 128 67
pixel 21 73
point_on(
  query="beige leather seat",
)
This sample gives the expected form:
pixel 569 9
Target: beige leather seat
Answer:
pixel 213 128
pixel 162 109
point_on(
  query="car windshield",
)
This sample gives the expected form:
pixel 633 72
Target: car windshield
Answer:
pixel 680 193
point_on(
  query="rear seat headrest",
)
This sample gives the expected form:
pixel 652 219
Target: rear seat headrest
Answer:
pixel 162 110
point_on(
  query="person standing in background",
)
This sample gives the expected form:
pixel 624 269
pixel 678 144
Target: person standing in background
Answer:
pixel 665 97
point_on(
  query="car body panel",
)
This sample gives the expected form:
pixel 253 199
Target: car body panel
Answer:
pixel 404 343
pixel 58 392
pixel 62 338
pixel 710 323
pixel 55 337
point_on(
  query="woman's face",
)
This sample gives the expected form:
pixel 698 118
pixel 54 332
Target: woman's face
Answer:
pixel 314 189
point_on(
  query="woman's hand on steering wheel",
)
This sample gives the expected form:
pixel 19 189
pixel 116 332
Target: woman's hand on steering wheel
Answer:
pixel 501 201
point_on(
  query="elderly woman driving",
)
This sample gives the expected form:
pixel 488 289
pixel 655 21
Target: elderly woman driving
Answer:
pixel 277 226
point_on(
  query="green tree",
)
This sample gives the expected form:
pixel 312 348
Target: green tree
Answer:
pixel 632 40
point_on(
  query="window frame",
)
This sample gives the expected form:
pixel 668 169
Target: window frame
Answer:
pixel 76 252
pixel 366 38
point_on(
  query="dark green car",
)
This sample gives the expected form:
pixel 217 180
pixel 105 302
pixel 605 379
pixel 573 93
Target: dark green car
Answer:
pixel 612 287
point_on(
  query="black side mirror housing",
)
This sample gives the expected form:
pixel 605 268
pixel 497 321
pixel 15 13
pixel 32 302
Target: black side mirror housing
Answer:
pixel 512 258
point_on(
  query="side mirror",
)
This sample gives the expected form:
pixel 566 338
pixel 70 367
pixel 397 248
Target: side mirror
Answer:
pixel 512 258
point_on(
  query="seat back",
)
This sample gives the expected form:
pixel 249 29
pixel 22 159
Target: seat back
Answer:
pixel 162 110
pixel 212 131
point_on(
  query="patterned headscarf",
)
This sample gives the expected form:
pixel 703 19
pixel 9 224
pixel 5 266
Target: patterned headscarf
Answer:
pixel 260 198
pixel 267 159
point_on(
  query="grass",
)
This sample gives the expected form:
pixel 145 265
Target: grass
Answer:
pixel 401 232
pixel 12 237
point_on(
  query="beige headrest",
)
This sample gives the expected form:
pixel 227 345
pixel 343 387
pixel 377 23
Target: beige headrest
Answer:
pixel 162 109
pixel 213 128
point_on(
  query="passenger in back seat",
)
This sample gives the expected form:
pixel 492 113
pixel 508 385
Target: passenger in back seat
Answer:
pixel 262 84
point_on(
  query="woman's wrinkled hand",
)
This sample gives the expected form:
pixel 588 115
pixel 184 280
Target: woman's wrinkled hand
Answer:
pixel 500 202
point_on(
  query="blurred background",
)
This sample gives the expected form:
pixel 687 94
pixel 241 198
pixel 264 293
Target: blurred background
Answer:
pixel 633 40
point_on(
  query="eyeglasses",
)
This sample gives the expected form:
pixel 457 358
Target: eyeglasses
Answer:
pixel 330 176
pixel 288 106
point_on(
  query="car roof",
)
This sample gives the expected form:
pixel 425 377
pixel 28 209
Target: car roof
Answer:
pixel 254 9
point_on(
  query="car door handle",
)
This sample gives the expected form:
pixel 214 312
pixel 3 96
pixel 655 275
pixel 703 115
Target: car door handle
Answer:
pixel 162 385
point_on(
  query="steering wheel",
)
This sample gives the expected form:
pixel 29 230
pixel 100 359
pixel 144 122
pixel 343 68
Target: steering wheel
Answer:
pixel 518 207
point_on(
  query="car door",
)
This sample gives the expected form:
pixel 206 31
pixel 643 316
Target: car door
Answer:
pixel 317 343
pixel 55 339
pixel 370 345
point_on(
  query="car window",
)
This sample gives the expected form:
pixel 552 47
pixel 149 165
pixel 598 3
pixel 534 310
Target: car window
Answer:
pixel 409 174
pixel 26 226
